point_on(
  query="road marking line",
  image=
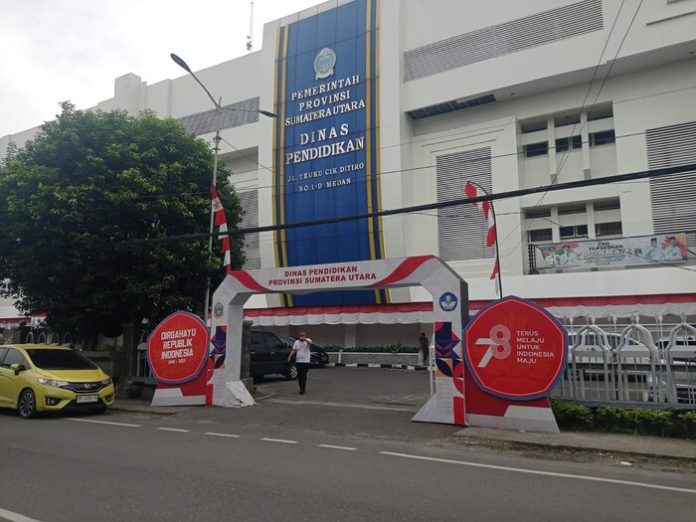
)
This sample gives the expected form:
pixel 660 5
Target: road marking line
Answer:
pixel 108 423
pixel 343 405
pixel 228 435
pixel 539 472
pixel 331 446
pixel 175 430
pixel 283 441
pixel 15 517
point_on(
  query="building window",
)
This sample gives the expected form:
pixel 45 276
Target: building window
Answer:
pixel 574 232
pixel 249 200
pixel 575 208
pixel 538 236
pixel 533 126
pixel 608 204
pixel 566 144
pixel 462 230
pixel 567 119
pixel 536 149
pixel 600 112
pixel 602 138
pixel 537 213
pixel 608 229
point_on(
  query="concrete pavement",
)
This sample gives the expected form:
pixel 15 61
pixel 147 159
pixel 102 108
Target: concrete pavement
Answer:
pixel 401 393
pixel 130 466
pixel 630 446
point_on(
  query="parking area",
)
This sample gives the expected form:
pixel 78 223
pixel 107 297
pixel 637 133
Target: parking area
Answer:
pixel 368 387
pixel 366 403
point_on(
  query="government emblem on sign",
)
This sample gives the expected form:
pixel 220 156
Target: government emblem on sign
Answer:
pixel 448 301
pixel 218 310
pixel 324 63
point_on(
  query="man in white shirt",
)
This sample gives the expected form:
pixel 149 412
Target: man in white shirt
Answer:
pixel 302 353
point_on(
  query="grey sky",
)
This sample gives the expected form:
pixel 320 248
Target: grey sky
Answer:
pixel 55 50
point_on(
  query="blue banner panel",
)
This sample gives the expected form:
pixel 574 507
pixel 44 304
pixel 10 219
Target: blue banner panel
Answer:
pixel 326 150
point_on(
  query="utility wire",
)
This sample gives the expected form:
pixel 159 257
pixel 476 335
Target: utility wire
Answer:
pixel 379 174
pixel 651 173
pixel 589 88
pixel 415 142
pixel 384 173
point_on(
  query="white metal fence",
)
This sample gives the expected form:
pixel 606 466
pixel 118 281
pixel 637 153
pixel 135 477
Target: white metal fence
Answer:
pixel 631 366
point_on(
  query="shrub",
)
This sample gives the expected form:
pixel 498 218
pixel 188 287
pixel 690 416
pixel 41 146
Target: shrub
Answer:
pixel 651 422
pixel 685 424
pixel 643 421
pixel 572 416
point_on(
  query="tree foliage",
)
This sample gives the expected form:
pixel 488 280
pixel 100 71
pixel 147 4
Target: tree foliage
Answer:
pixel 76 203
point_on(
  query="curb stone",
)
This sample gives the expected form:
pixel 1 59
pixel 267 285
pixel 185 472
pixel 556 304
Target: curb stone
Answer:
pixel 517 443
pixel 409 367
pixel 149 410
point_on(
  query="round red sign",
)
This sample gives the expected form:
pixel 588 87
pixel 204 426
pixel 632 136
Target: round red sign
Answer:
pixel 177 348
pixel 515 349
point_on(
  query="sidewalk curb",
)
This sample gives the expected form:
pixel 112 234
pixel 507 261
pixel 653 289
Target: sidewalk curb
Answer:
pixel 145 409
pixel 409 367
pixel 521 444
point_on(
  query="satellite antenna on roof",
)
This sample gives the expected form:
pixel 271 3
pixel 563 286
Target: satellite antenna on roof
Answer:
pixel 250 36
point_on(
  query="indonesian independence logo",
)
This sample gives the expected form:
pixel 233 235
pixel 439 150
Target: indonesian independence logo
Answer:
pixel 324 63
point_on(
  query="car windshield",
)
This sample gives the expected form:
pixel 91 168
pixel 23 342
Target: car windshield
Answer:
pixel 59 360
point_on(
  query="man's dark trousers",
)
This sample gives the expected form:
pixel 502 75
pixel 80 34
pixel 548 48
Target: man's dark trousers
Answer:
pixel 302 369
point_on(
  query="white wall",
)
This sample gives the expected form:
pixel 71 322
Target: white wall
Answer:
pixel 650 98
pixel 564 62
pixel 349 336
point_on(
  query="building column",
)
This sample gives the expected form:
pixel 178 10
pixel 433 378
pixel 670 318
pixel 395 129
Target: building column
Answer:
pixel 551 137
pixel 585 136
pixel 350 335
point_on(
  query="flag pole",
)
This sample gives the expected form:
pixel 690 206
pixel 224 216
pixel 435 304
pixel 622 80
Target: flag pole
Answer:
pixel 497 251
pixel 216 140
pixel 499 276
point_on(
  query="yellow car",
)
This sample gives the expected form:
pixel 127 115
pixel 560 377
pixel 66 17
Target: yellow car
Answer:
pixel 42 377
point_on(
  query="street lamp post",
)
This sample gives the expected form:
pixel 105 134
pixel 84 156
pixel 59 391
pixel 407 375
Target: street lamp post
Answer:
pixel 218 107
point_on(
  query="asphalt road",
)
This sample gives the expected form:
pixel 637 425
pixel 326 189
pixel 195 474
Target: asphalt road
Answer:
pixel 344 451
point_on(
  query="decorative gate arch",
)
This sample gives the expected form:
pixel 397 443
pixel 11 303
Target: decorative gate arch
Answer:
pixel 450 312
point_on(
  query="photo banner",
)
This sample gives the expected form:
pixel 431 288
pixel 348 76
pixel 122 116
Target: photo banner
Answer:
pixel 630 251
pixel 326 144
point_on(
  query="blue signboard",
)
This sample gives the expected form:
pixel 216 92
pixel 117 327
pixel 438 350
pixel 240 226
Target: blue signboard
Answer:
pixel 326 144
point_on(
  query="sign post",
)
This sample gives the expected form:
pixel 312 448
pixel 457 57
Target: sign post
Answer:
pixel 516 353
pixel 178 352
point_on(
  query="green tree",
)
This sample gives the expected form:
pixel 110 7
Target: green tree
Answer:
pixel 76 203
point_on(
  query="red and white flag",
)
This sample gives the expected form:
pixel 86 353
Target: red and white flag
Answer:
pixel 472 191
pixel 220 221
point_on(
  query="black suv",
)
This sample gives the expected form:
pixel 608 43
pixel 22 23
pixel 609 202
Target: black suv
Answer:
pixel 269 355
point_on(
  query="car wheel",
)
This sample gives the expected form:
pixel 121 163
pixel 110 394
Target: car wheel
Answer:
pixel 26 405
pixel 291 374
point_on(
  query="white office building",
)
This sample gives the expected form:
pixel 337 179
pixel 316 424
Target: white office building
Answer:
pixel 389 104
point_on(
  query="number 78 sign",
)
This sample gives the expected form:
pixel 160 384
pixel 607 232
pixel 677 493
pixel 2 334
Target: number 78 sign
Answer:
pixel 515 349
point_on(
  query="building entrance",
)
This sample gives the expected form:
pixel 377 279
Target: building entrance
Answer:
pixel 450 314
